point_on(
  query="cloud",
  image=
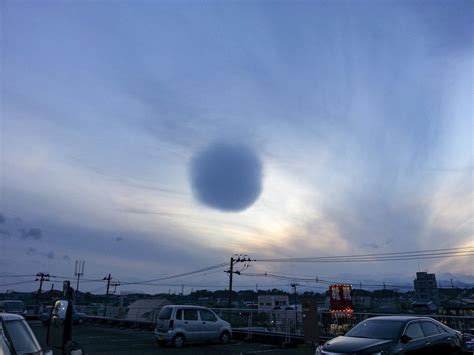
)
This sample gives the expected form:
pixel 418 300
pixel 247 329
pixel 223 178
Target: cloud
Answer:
pixel 30 251
pixel 66 257
pixel 118 239
pixel 50 254
pixel 142 211
pixel 4 232
pixel 226 177
pixel 2 218
pixel 33 233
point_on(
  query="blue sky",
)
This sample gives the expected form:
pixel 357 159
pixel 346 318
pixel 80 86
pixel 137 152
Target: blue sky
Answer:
pixel 152 138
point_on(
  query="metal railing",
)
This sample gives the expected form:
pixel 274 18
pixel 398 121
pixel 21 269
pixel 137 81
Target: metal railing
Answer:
pixel 274 321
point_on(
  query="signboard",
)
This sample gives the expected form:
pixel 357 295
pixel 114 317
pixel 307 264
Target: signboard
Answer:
pixel 341 298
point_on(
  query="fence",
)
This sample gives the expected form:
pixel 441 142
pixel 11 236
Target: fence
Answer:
pixel 275 321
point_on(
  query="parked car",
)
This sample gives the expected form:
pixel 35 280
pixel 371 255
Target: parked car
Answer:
pixel 13 306
pixel 16 336
pixel 177 325
pixel 396 335
pixel 77 317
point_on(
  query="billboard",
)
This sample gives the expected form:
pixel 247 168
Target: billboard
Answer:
pixel 341 298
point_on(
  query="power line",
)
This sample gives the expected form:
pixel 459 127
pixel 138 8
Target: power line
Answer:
pixel 17 283
pixel 318 280
pixel 407 255
pixel 208 268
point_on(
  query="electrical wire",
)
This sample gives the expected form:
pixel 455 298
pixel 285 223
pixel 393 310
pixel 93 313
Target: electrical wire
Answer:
pixel 399 256
pixel 17 283
pixel 212 267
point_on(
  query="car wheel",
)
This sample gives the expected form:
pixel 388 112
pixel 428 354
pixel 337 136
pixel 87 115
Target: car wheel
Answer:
pixel 178 341
pixel 225 337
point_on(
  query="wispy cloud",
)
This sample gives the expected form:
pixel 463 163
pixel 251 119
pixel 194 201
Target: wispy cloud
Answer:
pixel 31 233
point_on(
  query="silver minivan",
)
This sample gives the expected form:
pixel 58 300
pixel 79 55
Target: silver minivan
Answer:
pixel 179 324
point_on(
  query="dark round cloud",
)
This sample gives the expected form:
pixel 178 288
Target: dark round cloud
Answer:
pixel 226 177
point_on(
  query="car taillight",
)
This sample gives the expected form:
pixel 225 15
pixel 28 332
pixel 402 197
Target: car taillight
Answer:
pixel 171 324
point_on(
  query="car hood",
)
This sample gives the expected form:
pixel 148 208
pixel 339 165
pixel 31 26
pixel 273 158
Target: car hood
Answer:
pixel 344 344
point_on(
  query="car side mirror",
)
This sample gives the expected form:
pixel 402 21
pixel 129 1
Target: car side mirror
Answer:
pixel 405 339
pixel 60 324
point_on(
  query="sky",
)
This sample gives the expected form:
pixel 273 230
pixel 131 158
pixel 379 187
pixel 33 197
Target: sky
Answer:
pixel 152 138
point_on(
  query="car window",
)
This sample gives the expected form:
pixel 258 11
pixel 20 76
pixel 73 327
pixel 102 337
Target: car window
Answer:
pixel 429 328
pixel 165 313
pixel 378 329
pixel 207 315
pixel 21 337
pixel 179 314
pixel 414 331
pixel 441 329
pixel 190 314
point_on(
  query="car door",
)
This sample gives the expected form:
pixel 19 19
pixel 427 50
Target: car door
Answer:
pixel 191 324
pixel 437 342
pixel 209 325
pixel 416 345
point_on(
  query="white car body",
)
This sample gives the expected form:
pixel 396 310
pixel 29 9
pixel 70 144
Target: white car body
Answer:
pixel 16 336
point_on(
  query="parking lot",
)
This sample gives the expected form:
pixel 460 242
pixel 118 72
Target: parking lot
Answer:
pixel 97 339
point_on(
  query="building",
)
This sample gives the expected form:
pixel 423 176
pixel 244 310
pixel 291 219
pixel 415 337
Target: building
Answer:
pixel 426 292
pixel 145 309
pixel 271 302
pixel 278 309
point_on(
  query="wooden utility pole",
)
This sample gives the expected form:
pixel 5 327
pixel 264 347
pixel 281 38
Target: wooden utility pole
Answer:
pixel 296 304
pixel 108 278
pixel 41 277
pixel 231 272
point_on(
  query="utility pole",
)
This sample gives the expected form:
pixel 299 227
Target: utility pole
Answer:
pixel 108 278
pixel 296 303
pixel 41 277
pixel 231 272
pixel 79 272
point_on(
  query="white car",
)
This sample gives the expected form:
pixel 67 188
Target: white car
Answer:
pixel 16 336
pixel 179 324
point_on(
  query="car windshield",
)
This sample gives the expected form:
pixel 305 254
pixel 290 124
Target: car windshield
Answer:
pixel 21 336
pixel 14 306
pixel 165 314
pixel 377 329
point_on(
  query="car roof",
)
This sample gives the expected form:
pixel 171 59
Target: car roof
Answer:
pixel 10 316
pixel 185 306
pixel 399 318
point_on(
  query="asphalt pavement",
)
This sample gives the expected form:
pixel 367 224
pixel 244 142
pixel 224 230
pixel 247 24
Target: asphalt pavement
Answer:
pixel 96 339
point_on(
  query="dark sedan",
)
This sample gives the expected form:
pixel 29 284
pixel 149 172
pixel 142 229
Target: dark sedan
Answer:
pixel 396 335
